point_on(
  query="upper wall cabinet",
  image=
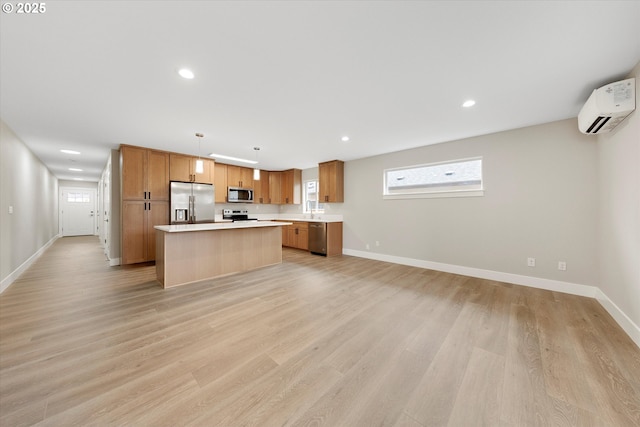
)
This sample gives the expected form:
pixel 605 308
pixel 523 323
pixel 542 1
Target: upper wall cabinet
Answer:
pixel 291 187
pixel 183 168
pixel 275 187
pixel 220 183
pixel 331 178
pixel 238 176
pixel 261 194
pixel 145 174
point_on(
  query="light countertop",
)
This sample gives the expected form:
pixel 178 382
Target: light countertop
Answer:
pixel 180 228
pixel 298 219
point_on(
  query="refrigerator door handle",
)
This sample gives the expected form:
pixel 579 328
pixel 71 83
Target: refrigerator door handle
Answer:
pixel 192 208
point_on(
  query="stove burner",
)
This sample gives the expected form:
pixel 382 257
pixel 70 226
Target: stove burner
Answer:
pixel 237 215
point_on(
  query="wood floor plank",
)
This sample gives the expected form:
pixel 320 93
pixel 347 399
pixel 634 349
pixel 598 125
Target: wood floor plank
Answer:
pixel 434 398
pixel 481 389
pixel 616 400
pixel 525 401
pixel 338 341
pixel 341 402
pixel 563 378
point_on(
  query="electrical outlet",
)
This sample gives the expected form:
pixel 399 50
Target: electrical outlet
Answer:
pixel 377 243
pixel 367 246
pixel 562 265
pixel 531 262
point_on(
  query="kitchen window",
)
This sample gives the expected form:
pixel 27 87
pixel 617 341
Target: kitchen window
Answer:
pixel 457 178
pixel 310 197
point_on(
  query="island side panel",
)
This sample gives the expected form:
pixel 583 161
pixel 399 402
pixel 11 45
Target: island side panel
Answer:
pixel 160 264
pixel 199 255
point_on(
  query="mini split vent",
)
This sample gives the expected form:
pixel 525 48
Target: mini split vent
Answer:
pixel 607 107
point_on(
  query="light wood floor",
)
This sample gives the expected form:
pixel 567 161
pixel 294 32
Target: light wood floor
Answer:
pixel 315 341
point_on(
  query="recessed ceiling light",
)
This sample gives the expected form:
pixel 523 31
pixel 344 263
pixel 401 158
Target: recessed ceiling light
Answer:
pixel 221 156
pixel 345 138
pixel 469 103
pixel 69 151
pixel 186 73
pixel 75 169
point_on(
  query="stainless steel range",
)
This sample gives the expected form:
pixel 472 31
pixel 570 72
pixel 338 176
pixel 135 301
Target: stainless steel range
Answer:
pixel 237 215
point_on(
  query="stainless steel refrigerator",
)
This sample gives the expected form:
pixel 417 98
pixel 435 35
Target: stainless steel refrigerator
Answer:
pixel 192 203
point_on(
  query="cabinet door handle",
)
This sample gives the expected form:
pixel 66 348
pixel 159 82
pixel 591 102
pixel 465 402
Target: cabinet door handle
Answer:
pixel 149 197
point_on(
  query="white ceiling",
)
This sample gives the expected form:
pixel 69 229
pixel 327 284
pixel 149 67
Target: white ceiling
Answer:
pixel 293 77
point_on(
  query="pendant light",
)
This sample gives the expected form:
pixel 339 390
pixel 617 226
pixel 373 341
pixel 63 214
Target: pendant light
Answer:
pixel 199 162
pixel 256 171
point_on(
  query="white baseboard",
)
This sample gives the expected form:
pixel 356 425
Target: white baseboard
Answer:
pixel 534 282
pixel 7 281
pixel 114 261
pixel 619 316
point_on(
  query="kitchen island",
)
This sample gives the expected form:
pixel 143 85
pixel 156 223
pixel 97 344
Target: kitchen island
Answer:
pixel 194 252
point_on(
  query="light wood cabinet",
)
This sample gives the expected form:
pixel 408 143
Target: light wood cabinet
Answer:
pixel 145 174
pixel 261 189
pixel 238 176
pixel 334 238
pixel 300 239
pixel 145 201
pixel 220 183
pixel 291 187
pixel 331 178
pixel 183 168
pixel 133 161
pixel 275 187
pixel 138 234
pixel 296 235
pixel 285 187
pixel 134 239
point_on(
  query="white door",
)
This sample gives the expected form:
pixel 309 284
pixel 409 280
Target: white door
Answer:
pixel 106 213
pixel 77 211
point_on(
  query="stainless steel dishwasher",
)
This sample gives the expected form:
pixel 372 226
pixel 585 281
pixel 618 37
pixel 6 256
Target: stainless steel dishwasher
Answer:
pixel 318 238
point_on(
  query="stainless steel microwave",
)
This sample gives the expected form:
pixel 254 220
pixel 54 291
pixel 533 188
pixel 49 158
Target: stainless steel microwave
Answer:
pixel 240 195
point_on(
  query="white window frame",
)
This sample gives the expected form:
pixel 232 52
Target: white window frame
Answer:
pixel 319 207
pixel 436 191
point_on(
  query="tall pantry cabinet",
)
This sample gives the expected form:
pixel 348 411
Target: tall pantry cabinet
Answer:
pixel 145 201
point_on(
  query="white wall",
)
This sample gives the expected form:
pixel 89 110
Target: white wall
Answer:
pixel 77 184
pixel 114 214
pixel 540 201
pixel 619 208
pixel 32 190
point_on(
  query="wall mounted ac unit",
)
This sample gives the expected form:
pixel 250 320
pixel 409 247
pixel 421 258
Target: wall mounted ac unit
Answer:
pixel 608 106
